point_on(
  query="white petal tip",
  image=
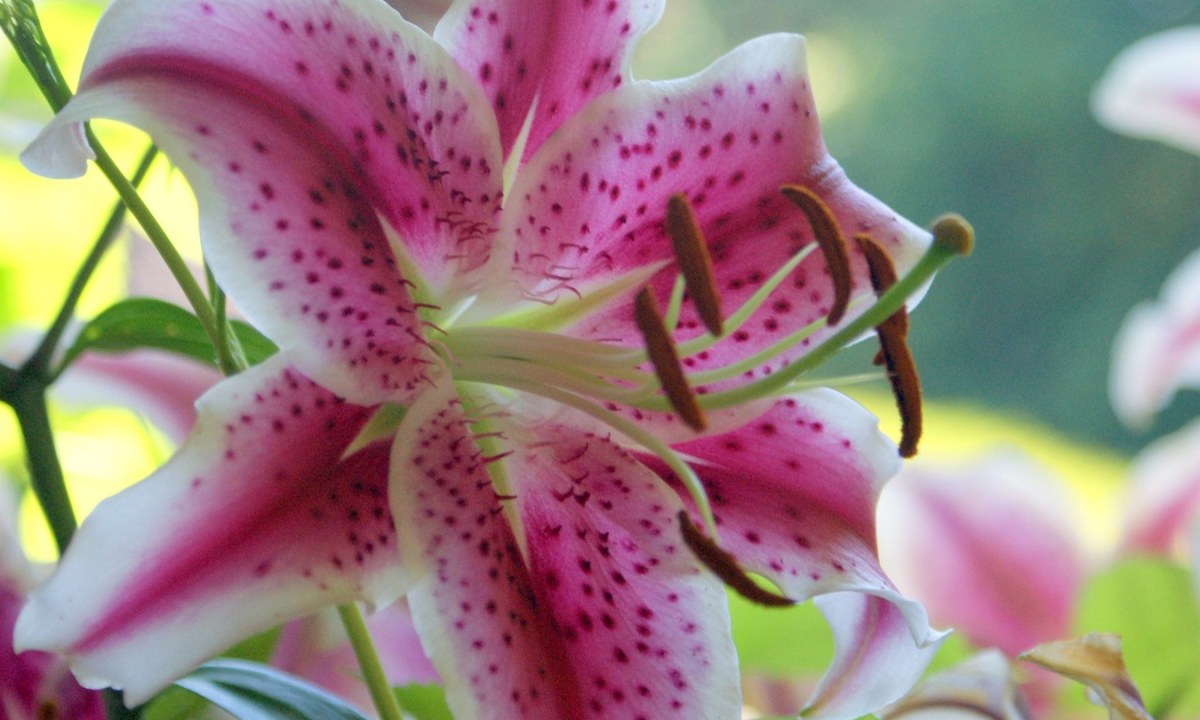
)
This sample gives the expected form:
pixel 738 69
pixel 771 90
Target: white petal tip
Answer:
pixel 60 152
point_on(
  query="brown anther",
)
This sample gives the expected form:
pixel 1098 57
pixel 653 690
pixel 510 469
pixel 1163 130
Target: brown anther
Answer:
pixel 832 242
pixel 666 361
pixel 724 566
pixel 695 264
pixel 893 342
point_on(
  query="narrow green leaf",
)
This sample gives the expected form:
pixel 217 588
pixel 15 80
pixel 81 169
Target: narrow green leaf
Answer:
pixel 424 702
pixel 149 323
pixel 251 691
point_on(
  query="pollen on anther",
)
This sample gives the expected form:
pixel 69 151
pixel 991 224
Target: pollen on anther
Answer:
pixel 897 356
pixel 665 359
pixel 832 242
pixel 695 264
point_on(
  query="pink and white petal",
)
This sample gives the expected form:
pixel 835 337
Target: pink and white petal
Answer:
pixel 876 661
pixel 794 496
pixel 490 638
pixel 1163 497
pixel 1152 89
pixel 1157 349
pixel 987 548
pixel 982 685
pixel 645 627
pixel 590 206
pixel 257 520
pixel 312 133
pixel 544 58
pixel 163 387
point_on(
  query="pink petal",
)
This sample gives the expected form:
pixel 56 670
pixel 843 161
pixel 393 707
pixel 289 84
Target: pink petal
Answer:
pixel 646 629
pixel 1163 501
pixel 472 602
pixel 986 548
pixel 1157 350
pixel 256 521
pixel 32 684
pixel 596 610
pixel 794 496
pixel 590 205
pixel 307 130
pixel 163 387
pixel 1152 89
pixel 544 57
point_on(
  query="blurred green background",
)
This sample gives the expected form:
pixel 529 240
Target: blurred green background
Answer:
pixel 933 105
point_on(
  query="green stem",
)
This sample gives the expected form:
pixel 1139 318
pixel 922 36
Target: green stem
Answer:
pixel 154 231
pixel 39 361
pixel 368 660
pixel 28 400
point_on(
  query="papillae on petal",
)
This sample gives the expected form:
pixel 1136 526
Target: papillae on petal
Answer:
pixel 574 597
pixel 315 136
pixel 591 204
pixel 257 520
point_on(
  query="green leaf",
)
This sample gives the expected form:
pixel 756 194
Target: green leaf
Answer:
pixel 178 704
pixel 424 702
pixel 149 323
pixel 250 691
pixel 1151 604
pixel 780 641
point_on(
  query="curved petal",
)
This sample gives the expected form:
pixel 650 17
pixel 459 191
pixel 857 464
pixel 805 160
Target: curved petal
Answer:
pixel 544 58
pixel 309 131
pixel 1163 499
pixel 794 496
pixel 255 521
pixel 1157 349
pixel 987 548
pixel 645 627
pixel 1152 89
pixel 472 602
pixel 590 206
pixel 593 608
pixel 982 685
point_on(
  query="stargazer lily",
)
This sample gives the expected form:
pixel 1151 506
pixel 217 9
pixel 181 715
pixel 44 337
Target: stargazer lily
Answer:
pixel 461 243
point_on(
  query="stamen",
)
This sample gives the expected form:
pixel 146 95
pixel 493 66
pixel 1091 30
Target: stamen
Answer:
pixel 832 242
pixel 665 359
pixel 893 341
pixel 695 264
pixel 724 566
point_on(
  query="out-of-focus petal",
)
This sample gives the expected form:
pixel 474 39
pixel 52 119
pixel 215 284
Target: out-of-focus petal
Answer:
pixel 1095 660
pixel 987 548
pixel 1152 89
pixel 979 687
pixel 1163 500
pixel 257 520
pixel 1157 349
pixel 316 649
